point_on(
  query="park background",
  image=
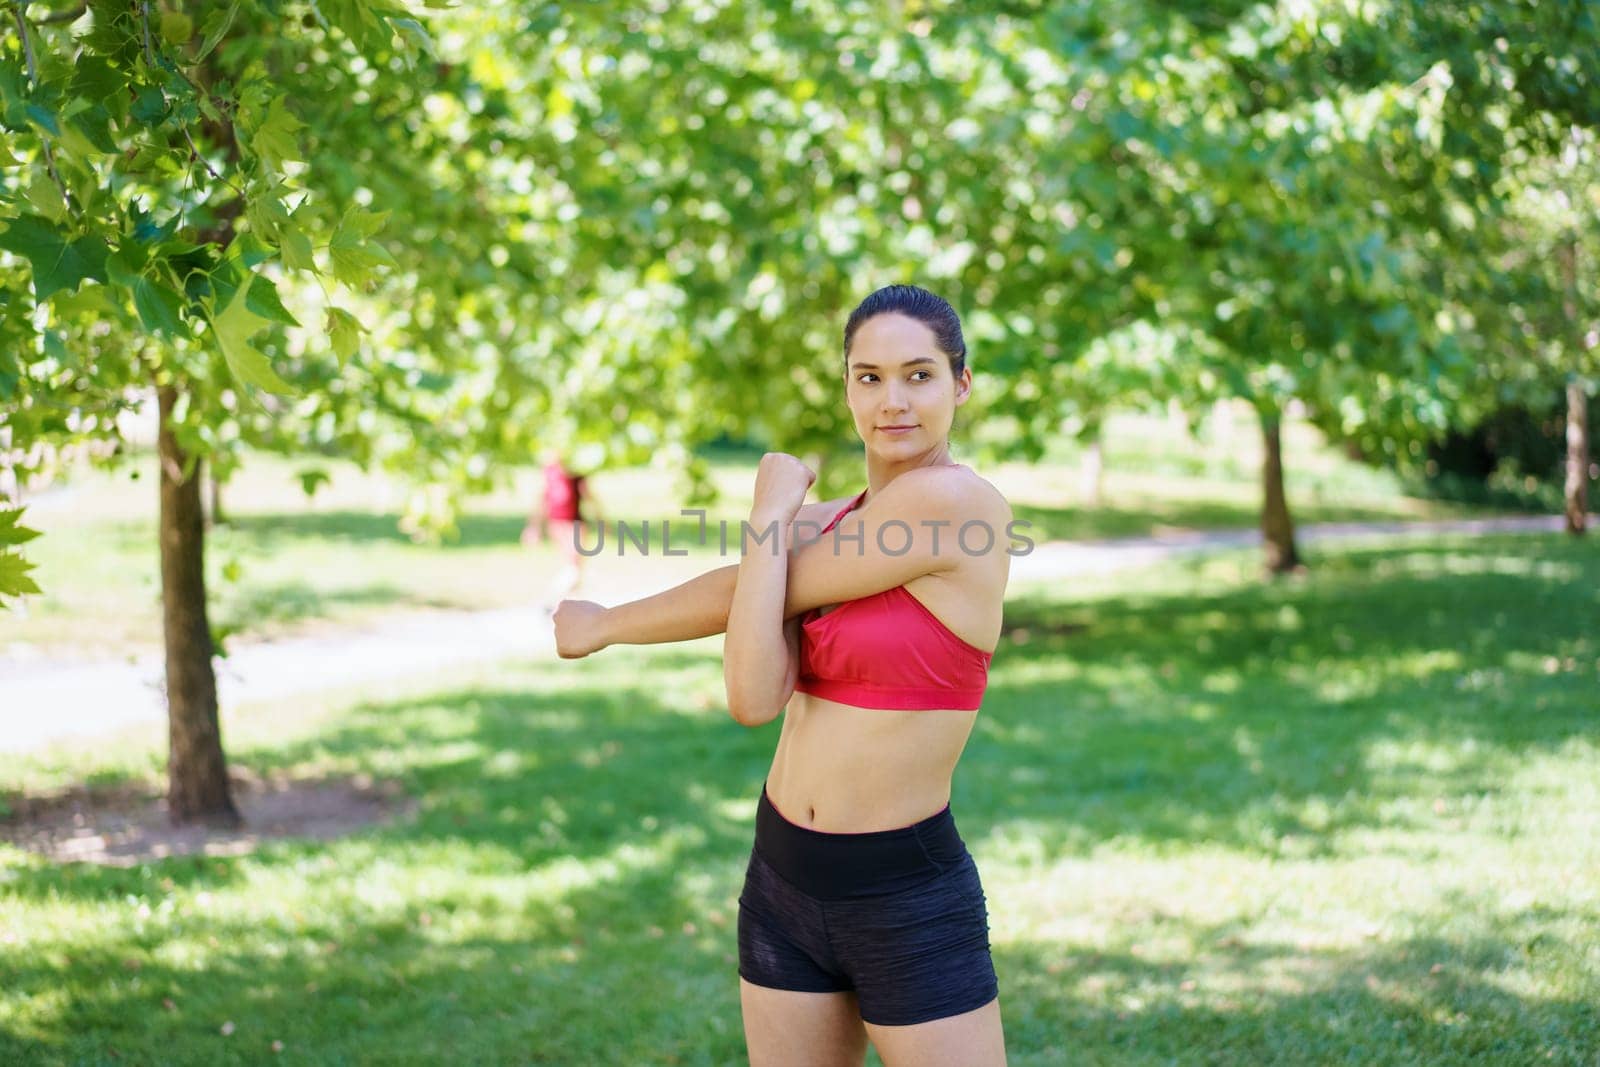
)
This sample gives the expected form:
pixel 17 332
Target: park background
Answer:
pixel 297 294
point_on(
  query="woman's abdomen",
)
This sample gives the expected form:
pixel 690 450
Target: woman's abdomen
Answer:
pixel 843 769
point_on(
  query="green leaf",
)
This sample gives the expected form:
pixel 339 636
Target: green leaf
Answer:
pixel 77 146
pixel 414 32
pixel 354 257
pixel 95 126
pixel 146 230
pixel 147 158
pixel 89 303
pixel 267 215
pixel 57 263
pixel 216 27
pixel 345 331
pixel 274 140
pixel 248 251
pixel 10 532
pixel 313 479
pixel 160 308
pixel 234 328
pixel 43 118
pixel 45 197
pixel 295 248
pixel 14 580
pixel 96 79
pixel 361 223
pixel 176 27
pixel 124 266
pixel 150 107
pixel 264 301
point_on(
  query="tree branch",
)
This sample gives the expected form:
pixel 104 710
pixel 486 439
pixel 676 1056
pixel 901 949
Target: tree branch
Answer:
pixel 19 12
pixel 195 151
pixel 27 42
pixel 144 22
pixel 150 58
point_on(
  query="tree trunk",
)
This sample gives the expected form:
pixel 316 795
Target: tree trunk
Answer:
pixel 1277 528
pixel 197 773
pixel 1092 476
pixel 1577 458
pixel 1577 404
pixel 215 516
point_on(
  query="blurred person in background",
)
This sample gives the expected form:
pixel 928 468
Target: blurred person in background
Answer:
pixel 558 515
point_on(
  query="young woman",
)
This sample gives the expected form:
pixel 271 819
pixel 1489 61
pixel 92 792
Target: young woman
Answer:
pixel 862 915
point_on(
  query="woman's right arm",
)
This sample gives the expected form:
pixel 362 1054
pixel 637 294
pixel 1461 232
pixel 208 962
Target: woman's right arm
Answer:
pixel 696 608
pixel 693 609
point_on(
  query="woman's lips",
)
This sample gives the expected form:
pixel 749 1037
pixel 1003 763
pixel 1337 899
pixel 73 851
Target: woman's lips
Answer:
pixel 895 429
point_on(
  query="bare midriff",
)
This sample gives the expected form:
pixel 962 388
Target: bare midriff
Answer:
pixel 846 770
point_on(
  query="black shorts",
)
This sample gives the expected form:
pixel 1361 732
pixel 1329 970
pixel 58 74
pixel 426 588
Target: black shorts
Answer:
pixel 898 916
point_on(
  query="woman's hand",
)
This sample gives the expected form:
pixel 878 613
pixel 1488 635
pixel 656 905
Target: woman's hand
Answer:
pixel 781 485
pixel 580 628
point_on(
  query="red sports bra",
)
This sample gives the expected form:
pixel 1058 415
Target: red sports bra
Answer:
pixel 888 650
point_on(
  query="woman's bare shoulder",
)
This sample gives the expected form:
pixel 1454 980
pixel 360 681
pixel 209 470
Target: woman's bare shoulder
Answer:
pixel 958 488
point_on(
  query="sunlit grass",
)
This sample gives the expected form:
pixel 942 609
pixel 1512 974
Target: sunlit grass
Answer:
pixel 1349 818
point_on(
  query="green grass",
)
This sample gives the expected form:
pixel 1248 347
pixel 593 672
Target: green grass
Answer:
pixel 1352 818
pixel 287 565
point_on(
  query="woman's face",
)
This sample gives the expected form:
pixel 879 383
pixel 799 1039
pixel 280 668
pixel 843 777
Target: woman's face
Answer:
pixel 900 389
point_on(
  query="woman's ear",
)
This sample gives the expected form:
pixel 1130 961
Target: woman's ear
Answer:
pixel 963 386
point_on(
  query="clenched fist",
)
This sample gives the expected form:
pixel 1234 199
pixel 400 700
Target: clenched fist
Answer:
pixel 781 485
pixel 578 628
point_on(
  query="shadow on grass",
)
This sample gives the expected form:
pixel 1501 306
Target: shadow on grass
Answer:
pixel 625 969
pixel 1230 1000
pixel 580 825
pixel 1274 718
pixel 570 771
pixel 631 970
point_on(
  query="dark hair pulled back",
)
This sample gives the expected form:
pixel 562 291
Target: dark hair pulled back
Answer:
pixel 931 310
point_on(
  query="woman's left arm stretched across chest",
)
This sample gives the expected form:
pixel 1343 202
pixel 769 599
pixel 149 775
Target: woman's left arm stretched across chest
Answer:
pixel 761 652
pixel 911 529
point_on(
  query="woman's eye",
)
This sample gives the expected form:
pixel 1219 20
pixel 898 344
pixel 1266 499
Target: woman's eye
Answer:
pixel 864 377
pixel 928 373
